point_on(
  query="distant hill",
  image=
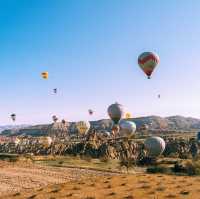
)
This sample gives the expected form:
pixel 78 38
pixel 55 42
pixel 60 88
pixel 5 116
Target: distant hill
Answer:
pixel 154 123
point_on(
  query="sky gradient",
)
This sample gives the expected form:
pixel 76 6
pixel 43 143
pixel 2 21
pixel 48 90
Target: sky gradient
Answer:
pixel 90 49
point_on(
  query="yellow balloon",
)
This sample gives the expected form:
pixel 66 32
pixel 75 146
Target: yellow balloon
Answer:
pixel 128 115
pixel 83 127
pixel 45 75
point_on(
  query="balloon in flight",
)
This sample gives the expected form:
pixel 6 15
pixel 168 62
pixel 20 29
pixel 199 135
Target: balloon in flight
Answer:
pixel 55 90
pixel 45 75
pixel 128 115
pixel 127 128
pixel 115 112
pixel 154 146
pixel 13 116
pixel 90 111
pixel 148 62
pixel 54 118
pixel 83 127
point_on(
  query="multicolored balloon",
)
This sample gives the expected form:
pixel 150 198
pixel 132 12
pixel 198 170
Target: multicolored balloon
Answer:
pixel 83 127
pixel 148 62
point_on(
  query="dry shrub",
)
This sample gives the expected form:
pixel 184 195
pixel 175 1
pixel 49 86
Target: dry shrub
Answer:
pixel 76 188
pixel 158 169
pixel 184 192
pixel 112 194
pixel 170 196
pixel 145 186
pixel 89 197
pixel 192 167
pixel 128 197
pixel 160 189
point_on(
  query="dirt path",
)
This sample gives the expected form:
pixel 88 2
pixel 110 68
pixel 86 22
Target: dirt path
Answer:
pixel 26 177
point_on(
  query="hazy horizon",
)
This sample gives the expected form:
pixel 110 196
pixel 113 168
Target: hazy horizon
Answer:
pixel 90 49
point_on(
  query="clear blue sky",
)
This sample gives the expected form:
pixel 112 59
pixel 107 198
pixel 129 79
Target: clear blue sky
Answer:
pixel 90 49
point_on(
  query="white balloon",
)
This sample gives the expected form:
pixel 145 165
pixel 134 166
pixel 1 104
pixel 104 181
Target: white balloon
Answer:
pixel 127 128
pixel 154 146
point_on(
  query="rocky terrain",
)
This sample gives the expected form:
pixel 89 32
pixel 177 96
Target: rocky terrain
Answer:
pixel 154 122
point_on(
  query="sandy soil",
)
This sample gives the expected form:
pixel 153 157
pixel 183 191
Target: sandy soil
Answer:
pixel 38 182
pixel 27 177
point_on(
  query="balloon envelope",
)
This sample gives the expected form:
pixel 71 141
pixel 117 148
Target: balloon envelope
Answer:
pixel 45 75
pixel 128 115
pixel 90 111
pixel 83 127
pixel 147 62
pixel 115 112
pixel 154 146
pixel 127 128
pixel 13 116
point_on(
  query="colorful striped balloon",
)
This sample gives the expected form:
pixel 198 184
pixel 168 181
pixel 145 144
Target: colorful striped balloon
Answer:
pixel 147 62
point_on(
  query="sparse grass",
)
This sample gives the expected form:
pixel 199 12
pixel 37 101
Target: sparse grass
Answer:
pixel 109 186
pixel 170 196
pixel 89 197
pixel 112 194
pixel 161 189
pixel 69 195
pixel 55 191
pixel 184 192
pixel 128 197
pixel 159 169
pixel 76 188
pixel 72 161
pixel 145 186
pixel 31 197
pixel 16 194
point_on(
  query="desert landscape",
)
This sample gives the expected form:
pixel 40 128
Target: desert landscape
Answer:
pixel 25 179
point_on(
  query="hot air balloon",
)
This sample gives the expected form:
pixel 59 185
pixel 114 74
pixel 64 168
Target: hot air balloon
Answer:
pixel 154 146
pixel 55 90
pixel 45 75
pixel 115 112
pixel 13 116
pixel 148 62
pixel 54 118
pixel 159 96
pixel 127 128
pixel 90 111
pixel 128 115
pixel 83 127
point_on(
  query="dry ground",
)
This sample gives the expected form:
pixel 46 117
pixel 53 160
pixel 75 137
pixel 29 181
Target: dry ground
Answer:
pixel 19 180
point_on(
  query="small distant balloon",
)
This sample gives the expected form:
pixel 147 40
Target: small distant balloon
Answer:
pixel 45 75
pixel 55 90
pixel 54 118
pixel 128 115
pixel 159 96
pixel 13 116
pixel 90 111
pixel 148 62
